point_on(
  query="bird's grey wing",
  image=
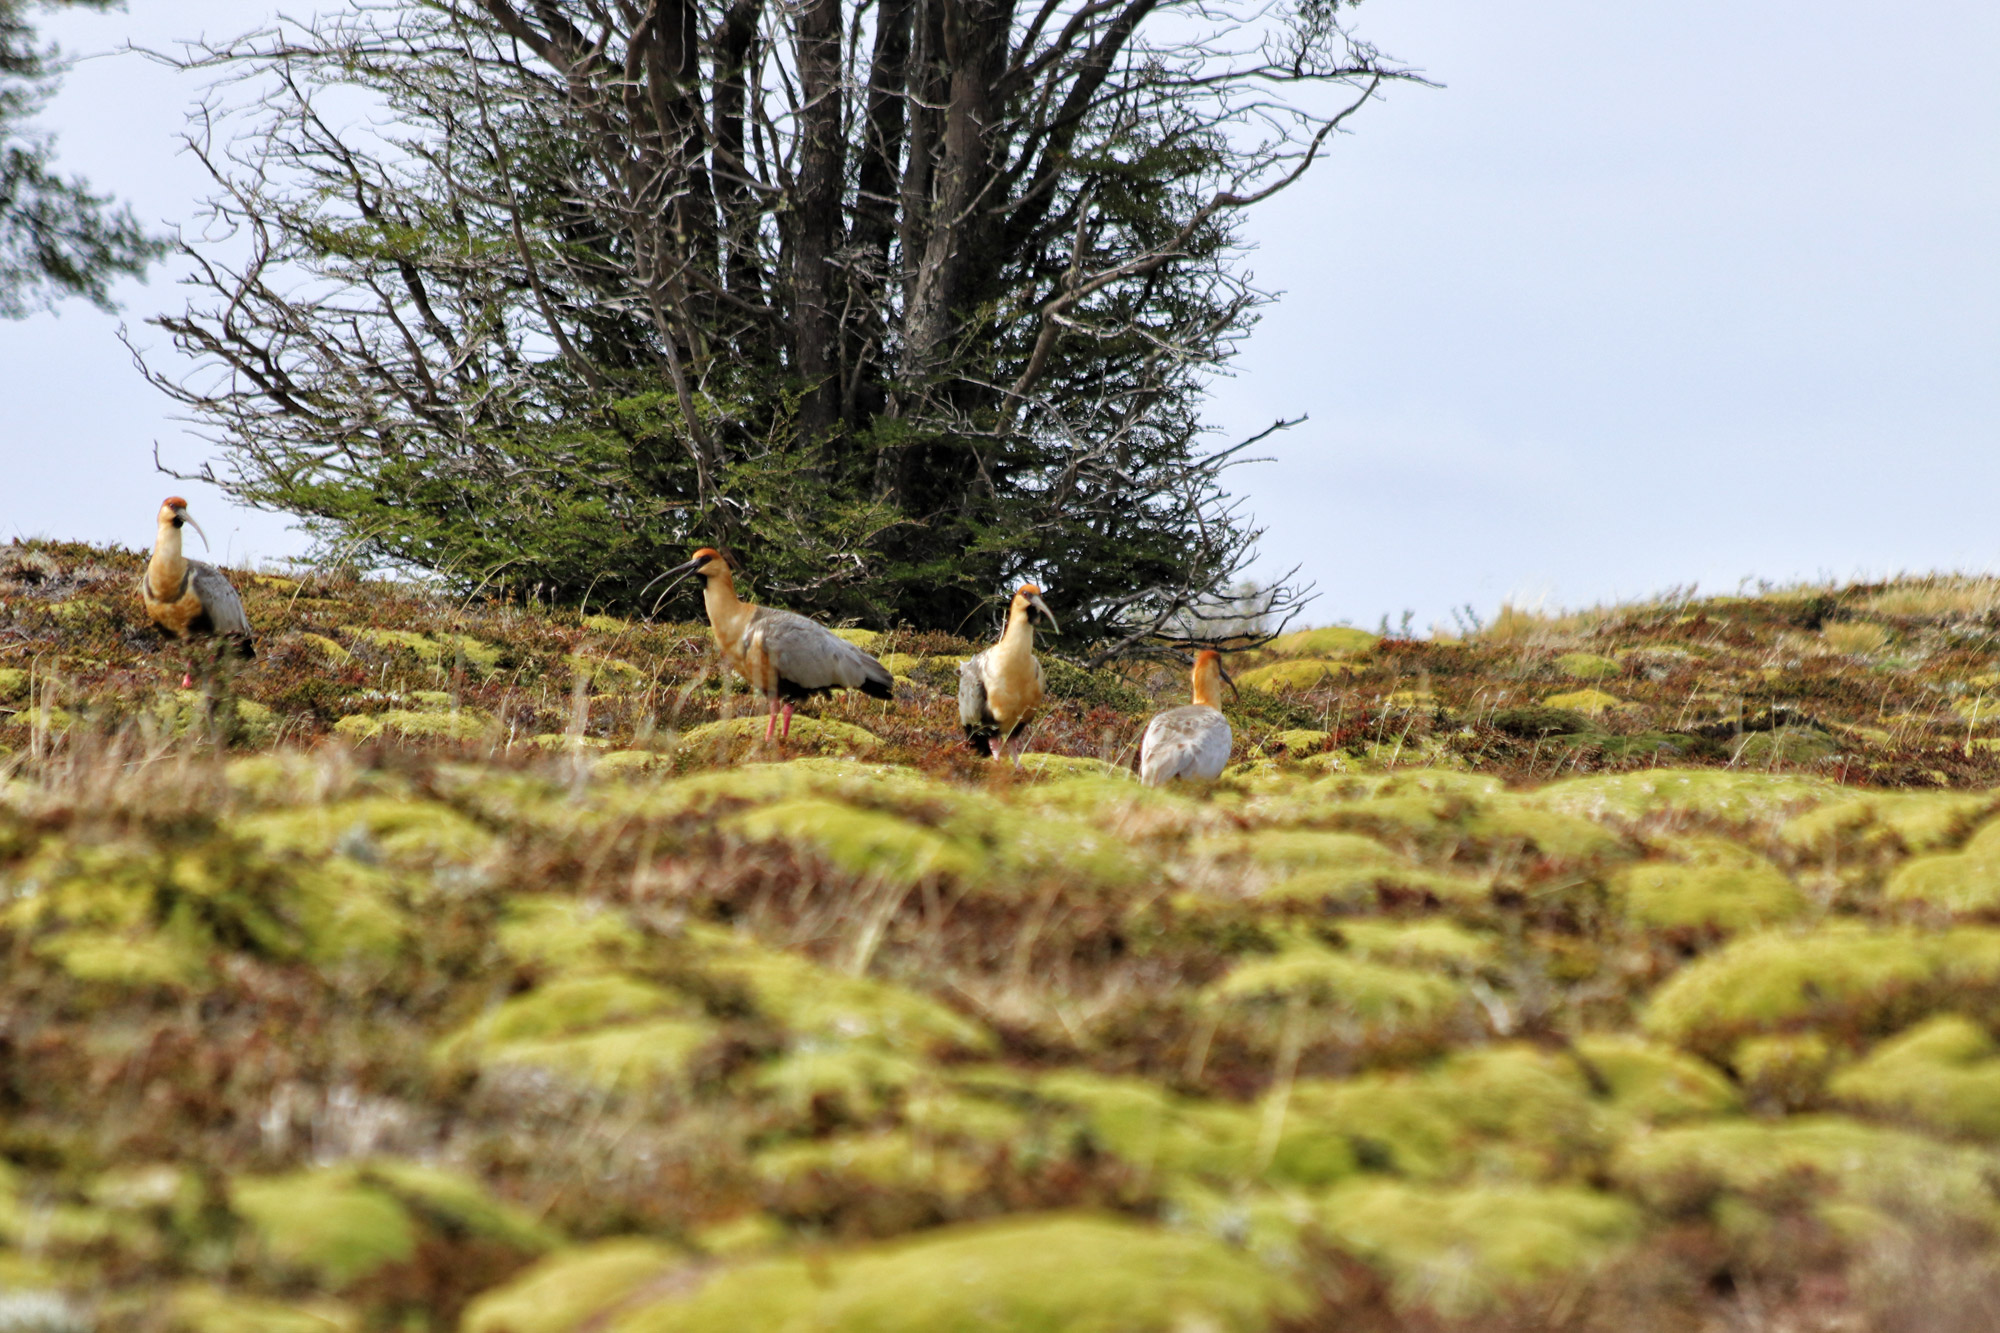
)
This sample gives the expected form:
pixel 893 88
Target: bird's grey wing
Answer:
pixel 813 657
pixel 219 599
pixel 972 691
pixel 1189 742
pixel 1153 751
pixel 1211 751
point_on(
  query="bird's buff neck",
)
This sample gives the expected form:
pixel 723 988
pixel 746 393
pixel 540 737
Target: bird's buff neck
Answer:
pixel 1019 636
pixel 1208 685
pixel 168 566
pixel 719 599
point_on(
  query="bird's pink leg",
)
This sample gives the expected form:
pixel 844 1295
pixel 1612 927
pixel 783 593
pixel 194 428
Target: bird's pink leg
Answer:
pixel 187 680
pixel 771 725
pixel 786 734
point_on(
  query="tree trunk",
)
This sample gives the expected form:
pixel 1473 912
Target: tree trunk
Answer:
pixel 816 223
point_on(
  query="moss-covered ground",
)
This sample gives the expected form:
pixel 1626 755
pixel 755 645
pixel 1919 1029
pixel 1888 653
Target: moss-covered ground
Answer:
pixel 480 968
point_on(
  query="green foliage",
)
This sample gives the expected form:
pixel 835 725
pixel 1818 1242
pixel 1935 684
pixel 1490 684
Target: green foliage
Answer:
pixel 58 238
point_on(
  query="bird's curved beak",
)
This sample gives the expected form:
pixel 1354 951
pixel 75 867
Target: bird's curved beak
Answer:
pixel 1228 680
pixel 188 519
pixel 1047 614
pixel 672 576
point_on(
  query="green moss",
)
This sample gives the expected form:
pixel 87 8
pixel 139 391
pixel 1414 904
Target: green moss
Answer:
pixel 329 649
pixel 1588 666
pixel 567 934
pixel 606 674
pixel 132 958
pixel 1061 767
pixel 1967 881
pixel 876 1160
pixel 1052 1273
pixel 455 1204
pixel 818 735
pixel 13 684
pixel 1360 886
pixel 629 1057
pixel 1766 1165
pixel 1786 1070
pixel 183 713
pixel 1439 944
pixel 1337 990
pixel 1464 1252
pixel 1943 1074
pixel 815 1002
pixel 857 1080
pixel 864 843
pixel 1656 1084
pixel 1785 745
pixel 1535 722
pixel 324 1223
pixel 407 834
pixel 572 1289
pixel 1516 820
pixel 1303 674
pixel 621 762
pixel 1283 850
pixel 463 724
pixel 1154 1130
pixel 1296 742
pixel 134 914
pixel 1588 702
pixel 1732 796
pixel 563 740
pixel 1842 974
pixel 199 1308
pixel 1711 894
pixel 565 1006
pixel 1912 822
pixel 1330 641
pixel 421 646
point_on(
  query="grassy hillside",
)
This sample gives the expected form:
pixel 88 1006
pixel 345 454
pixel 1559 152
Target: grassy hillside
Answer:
pixel 1633 970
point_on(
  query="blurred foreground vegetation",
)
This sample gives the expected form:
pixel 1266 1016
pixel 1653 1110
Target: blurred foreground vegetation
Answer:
pixel 1633 970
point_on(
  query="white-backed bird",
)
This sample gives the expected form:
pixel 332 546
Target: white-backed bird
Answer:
pixel 1190 742
pixel 783 656
pixel 1000 688
pixel 191 600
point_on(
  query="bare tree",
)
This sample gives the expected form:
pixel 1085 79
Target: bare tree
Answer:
pixel 905 299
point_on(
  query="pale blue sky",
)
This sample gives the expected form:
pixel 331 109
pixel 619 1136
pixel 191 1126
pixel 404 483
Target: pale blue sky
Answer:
pixel 1647 294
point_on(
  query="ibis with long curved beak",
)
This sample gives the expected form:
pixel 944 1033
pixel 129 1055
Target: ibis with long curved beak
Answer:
pixel 1000 688
pixel 191 600
pixel 1194 741
pixel 781 655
